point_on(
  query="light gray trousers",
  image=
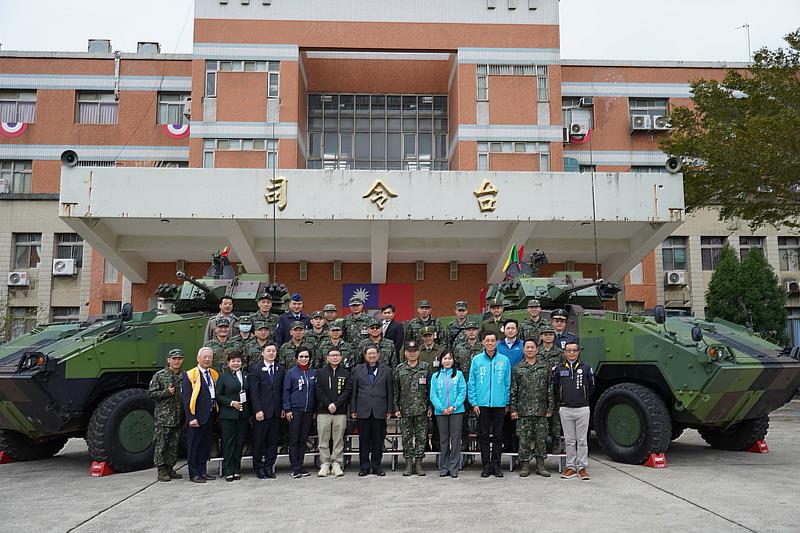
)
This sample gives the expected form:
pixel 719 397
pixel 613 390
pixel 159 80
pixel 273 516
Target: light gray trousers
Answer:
pixel 575 422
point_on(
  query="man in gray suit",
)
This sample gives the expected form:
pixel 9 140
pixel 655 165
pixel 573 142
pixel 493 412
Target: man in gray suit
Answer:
pixel 371 404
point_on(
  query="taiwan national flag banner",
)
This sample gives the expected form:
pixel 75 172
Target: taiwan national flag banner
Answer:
pixel 375 296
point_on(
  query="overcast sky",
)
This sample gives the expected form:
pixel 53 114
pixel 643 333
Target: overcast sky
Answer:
pixel 590 29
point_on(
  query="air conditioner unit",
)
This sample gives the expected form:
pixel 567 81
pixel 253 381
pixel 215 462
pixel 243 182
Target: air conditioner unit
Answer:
pixel 576 128
pixel 792 286
pixel 641 123
pixel 587 101
pixel 18 279
pixel 5 186
pixel 661 123
pixel 675 277
pixel 64 267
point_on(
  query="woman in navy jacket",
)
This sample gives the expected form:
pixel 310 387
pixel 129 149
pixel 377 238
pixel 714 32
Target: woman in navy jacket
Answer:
pixel 299 402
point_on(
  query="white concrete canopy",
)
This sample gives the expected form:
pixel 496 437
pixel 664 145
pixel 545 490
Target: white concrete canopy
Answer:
pixel 138 215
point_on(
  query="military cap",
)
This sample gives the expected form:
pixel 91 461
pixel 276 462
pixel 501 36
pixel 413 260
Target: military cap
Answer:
pixel 546 329
pixel 337 325
pixel 175 352
pixel 329 307
pixel 428 330
pixel 374 322
pixel 424 303
pixel 261 324
pixel 223 321
pixel 533 302
pixel 472 325
pixel 494 302
pixel 244 320
pixel 265 296
pixel 411 346
pixel 461 304
pixel 355 300
pixel 297 324
pixel 317 314
pixel 296 297
pixel 559 313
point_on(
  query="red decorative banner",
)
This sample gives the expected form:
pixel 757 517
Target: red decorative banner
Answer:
pixel 176 131
pixel 12 129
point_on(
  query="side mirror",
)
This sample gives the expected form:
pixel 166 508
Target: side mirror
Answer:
pixel 697 334
pixel 660 314
pixel 127 312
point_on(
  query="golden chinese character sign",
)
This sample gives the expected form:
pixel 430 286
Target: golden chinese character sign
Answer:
pixel 277 192
pixel 487 196
pixel 379 194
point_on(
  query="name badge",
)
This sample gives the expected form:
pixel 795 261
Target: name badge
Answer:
pixel 242 397
pixel 435 363
pixel 564 373
pixel 423 381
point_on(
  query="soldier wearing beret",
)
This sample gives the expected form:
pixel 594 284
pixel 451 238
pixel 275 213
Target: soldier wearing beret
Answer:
pixel 165 391
pixel 414 327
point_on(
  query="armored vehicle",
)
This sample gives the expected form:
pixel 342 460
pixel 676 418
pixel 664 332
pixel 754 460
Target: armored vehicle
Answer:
pixel 90 379
pixel 658 375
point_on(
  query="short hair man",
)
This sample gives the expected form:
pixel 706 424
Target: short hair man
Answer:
pixel 198 396
pixel 165 391
pixel 574 384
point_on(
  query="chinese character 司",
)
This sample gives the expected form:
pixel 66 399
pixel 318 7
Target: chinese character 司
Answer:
pixel 379 194
pixel 487 196
pixel 277 192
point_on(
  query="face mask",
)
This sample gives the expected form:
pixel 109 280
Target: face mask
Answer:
pixel 245 328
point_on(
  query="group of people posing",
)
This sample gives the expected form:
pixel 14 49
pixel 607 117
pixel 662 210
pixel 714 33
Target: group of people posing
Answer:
pixel 275 375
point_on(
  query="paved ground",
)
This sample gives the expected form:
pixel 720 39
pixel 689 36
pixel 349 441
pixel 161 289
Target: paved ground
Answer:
pixel 702 490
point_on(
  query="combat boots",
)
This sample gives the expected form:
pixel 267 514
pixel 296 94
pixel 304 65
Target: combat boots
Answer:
pixel 525 469
pixel 420 471
pixel 173 474
pixel 163 474
pixel 540 469
pixel 409 471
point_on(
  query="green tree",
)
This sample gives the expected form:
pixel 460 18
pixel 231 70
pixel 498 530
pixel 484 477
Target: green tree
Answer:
pixel 739 142
pixel 725 289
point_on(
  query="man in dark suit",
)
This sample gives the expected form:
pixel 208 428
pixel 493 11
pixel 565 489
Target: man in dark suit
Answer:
pixel 392 329
pixel 266 395
pixel 198 396
pixel 371 403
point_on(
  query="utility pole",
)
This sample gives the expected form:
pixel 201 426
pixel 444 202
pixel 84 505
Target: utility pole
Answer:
pixel 749 49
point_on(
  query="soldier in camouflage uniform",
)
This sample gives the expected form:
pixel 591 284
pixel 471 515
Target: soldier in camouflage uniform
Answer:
pixel 413 328
pixel 552 355
pixel 252 352
pixel 356 323
pixel 265 314
pixel 386 351
pixel 287 351
pixel 317 332
pixel 330 313
pixel 494 323
pixel 531 326
pixel 463 353
pixel 241 341
pixel 530 404
pixel 165 391
pixel 455 329
pixel 220 345
pixel 412 401
pixel 349 356
pixel 430 350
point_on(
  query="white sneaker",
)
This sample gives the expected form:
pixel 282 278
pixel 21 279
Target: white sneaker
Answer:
pixel 324 470
pixel 337 470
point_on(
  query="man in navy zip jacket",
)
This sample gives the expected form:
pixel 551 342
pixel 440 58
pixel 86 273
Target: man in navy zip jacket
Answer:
pixel 574 383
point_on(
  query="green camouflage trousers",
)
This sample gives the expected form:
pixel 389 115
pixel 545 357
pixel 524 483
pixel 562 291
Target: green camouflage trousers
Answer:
pixel 532 431
pixel 554 424
pixel 414 430
pixel 166 440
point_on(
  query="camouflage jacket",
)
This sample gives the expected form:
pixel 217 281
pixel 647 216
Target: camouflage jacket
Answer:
pixel 313 339
pixel 252 353
pixel 169 409
pixel 242 345
pixel 553 356
pixel 271 320
pixel 412 389
pixel 531 390
pixel 349 354
pixel 413 327
pixel 455 333
pixel 530 329
pixel 355 329
pixel 463 354
pixel 220 349
pixel 386 349
pixel 286 353
pixel 495 326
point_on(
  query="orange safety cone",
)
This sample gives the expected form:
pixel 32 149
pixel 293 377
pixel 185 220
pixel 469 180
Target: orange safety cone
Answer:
pixel 100 469
pixel 656 460
pixel 759 447
pixel 5 458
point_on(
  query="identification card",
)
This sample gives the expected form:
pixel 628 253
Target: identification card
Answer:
pixel 242 397
pixel 435 363
pixel 423 381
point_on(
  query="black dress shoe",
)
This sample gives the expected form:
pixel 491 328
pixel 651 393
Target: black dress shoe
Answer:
pixel 486 472
pixel 198 479
pixel 261 475
pixel 380 473
pixel 209 478
pixel 362 473
pixel 237 477
pixel 271 475
pixel 229 478
pixel 444 474
pixel 496 472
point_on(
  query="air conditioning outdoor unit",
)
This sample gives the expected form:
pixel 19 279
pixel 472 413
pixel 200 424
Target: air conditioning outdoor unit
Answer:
pixel 64 267
pixel 792 286
pixel 661 123
pixel 576 128
pixel 675 277
pixel 586 101
pixel 641 123
pixel 18 279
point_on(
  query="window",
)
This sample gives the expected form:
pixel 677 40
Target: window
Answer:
pixel 483 84
pixel 710 248
pixel 70 246
pixel 171 107
pixel 18 106
pixel 789 253
pixel 65 314
pixel 27 250
pixel 542 84
pixel 110 272
pixel 507 147
pixel 637 274
pixel 97 108
pixel 16 176
pixel 272 68
pixel 649 169
pixel 23 320
pixel 172 164
pixel 112 307
pixel 538 71
pixel 673 253
pixel 748 243
pixel 654 107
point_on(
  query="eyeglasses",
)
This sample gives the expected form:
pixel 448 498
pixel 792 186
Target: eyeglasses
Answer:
pixel 572 351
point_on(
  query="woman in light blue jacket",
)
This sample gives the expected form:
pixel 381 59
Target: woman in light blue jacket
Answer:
pixel 448 392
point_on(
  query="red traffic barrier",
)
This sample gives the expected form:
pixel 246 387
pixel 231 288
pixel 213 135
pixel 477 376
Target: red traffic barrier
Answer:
pixel 5 458
pixel 656 460
pixel 759 447
pixel 100 469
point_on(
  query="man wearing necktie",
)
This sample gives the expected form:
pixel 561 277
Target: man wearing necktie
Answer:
pixel 266 395
pixel 199 403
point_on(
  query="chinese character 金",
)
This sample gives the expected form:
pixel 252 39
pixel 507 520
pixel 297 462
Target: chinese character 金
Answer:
pixel 277 192
pixel 487 196
pixel 379 194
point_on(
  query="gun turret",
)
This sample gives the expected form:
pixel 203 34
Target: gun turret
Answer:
pixel 183 276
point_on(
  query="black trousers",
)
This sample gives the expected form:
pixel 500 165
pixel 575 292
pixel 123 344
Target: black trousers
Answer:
pixel 234 435
pixel 490 423
pixel 198 447
pixel 265 444
pixel 299 429
pixel 371 433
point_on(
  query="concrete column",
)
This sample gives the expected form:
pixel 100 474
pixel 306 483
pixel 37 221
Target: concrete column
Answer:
pixel 45 282
pixel 85 283
pixel 696 285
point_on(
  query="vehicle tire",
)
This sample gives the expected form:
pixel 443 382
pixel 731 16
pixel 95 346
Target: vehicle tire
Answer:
pixel 632 422
pixel 23 448
pixel 676 432
pixel 739 437
pixel 121 431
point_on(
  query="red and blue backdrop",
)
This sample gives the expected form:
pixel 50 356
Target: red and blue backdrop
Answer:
pixel 376 295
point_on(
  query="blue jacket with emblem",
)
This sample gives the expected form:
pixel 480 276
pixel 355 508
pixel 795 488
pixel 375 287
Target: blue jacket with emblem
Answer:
pixel 299 390
pixel 489 380
pixel 444 387
pixel 573 383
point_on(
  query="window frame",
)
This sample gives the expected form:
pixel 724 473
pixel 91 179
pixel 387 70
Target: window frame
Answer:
pixel 83 99
pixel 750 242
pixel 213 67
pixel 15 97
pixel 670 244
pixel 651 107
pixel 789 249
pixel 710 251
pixel 69 246
pixel 34 245
pixel 19 173
pixel 108 269
pixel 168 105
